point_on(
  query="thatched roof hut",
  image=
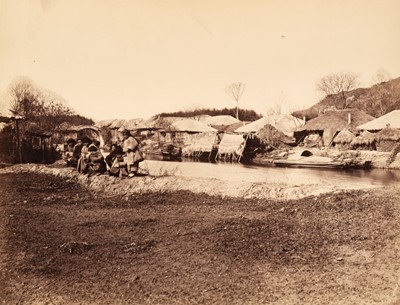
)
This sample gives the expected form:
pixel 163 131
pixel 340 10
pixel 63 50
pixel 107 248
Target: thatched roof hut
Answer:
pixel 388 134
pixel 104 123
pixel 161 122
pixel 200 143
pixel 229 128
pixel 285 123
pixel 271 136
pixel 387 139
pixel 224 120
pixel 332 122
pixel 134 124
pixel 337 119
pixel 231 147
pixel 366 140
pixel 344 137
pixel 391 119
pixel 188 125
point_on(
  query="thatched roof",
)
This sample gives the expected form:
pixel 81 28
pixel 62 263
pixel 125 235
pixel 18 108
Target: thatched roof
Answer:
pixel 188 125
pixel 391 119
pixel 337 119
pixel 134 124
pixel 229 128
pixel 388 134
pixel 161 122
pixel 231 143
pixel 115 124
pixel 200 117
pixel 285 123
pixel 202 143
pixel 35 129
pixel 104 123
pixel 224 120
pixel 344 137
pixel 271 136
pixel 365 138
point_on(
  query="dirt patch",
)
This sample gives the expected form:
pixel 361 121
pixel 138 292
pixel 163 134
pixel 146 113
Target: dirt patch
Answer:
pixel 63 244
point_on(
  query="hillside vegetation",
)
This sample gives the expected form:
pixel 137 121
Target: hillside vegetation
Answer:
pixel 377 100
pixel 244 114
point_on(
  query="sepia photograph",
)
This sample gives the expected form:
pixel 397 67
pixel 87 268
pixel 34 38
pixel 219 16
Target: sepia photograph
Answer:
pixel 179 152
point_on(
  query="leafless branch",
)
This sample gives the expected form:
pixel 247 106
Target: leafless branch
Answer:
pixel 236 91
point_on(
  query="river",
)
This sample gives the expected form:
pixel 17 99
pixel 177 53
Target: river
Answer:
pixel 355 178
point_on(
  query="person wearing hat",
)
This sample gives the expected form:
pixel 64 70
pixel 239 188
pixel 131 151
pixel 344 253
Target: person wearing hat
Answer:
pixel 95 162
pixel 95 144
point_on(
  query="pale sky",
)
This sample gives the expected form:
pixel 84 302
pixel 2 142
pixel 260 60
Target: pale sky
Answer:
pixel 136 58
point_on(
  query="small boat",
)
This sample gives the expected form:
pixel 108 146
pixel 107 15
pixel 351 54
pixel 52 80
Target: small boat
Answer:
pixel 305 158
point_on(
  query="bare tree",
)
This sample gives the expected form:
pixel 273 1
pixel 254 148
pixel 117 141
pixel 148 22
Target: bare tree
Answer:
pixel 236 91
pixel 380 76
pixel 339 83
pixel 37 105
pixel 25 101
pixel 276 108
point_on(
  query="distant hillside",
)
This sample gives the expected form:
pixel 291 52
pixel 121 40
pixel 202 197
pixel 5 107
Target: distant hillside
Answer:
pixel 244 114
pixel 376 101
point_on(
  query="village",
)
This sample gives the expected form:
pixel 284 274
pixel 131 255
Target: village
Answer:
pixel 173 152
pixel 345 138
pixel 358 128
pixel 184 231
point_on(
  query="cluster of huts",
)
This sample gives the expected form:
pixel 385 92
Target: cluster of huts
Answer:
pixel 222 137
pixel 225 137
pixel 24 141
pixel 211 137
pixel 354 129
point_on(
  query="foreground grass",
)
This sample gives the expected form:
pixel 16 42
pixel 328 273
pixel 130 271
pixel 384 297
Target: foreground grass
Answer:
pixel 61 244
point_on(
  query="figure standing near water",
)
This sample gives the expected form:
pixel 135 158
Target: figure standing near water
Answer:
pixel 130 147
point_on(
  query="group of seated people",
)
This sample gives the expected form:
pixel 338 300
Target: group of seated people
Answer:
pixel 122 161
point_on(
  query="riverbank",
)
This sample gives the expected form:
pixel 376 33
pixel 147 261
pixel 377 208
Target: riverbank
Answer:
pixel 63 244
pixel 226 180
pixel 377 159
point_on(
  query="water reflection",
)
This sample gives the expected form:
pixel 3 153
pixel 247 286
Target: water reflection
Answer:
pixel 227 171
